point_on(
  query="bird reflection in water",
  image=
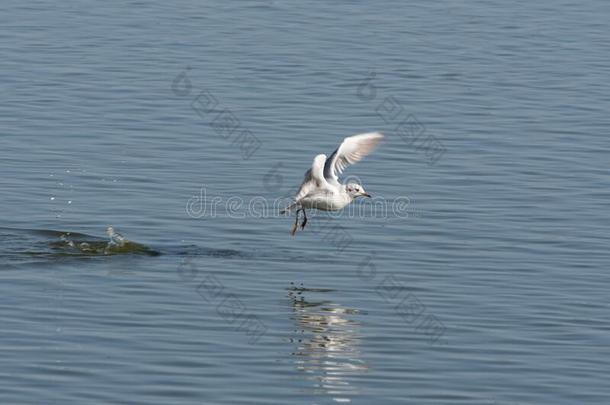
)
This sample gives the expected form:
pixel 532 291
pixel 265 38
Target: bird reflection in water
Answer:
pixel 327 341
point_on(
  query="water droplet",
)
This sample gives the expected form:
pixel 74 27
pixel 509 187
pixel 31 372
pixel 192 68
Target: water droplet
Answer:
pixel 70 202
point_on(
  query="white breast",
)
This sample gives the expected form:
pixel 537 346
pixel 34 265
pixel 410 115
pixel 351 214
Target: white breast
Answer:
pixel 326 201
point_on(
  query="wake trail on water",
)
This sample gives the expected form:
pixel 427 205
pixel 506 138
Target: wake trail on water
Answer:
pixel 16 244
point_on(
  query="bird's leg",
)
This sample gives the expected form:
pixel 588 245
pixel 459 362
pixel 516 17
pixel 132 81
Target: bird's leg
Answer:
pixel 304 220
pixel 296 223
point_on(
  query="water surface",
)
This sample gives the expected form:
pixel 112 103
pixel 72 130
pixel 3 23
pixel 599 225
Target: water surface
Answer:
pixel 492 289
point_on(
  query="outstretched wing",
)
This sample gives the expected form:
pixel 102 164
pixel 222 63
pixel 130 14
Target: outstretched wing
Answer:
pixel 314 177
pixel 351 150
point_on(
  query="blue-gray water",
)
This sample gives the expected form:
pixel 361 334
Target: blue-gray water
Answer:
pixel 492 289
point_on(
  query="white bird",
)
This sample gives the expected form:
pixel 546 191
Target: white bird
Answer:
pixel 321 188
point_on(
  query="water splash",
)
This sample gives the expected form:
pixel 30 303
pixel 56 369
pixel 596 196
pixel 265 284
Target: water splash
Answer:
pixel 79 244
pixel 116 239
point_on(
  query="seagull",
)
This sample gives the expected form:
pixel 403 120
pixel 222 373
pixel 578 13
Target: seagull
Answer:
pixel 321 188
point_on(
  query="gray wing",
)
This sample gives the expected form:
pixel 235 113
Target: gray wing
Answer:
pixel 353 149
pixel 314 178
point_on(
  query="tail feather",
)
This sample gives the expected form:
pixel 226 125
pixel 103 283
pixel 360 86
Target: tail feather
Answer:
pixel 289 208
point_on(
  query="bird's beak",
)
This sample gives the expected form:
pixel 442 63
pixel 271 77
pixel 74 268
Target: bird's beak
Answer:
pixel 366 195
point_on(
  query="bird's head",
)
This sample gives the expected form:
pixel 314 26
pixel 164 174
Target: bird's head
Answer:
pixel 356 190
